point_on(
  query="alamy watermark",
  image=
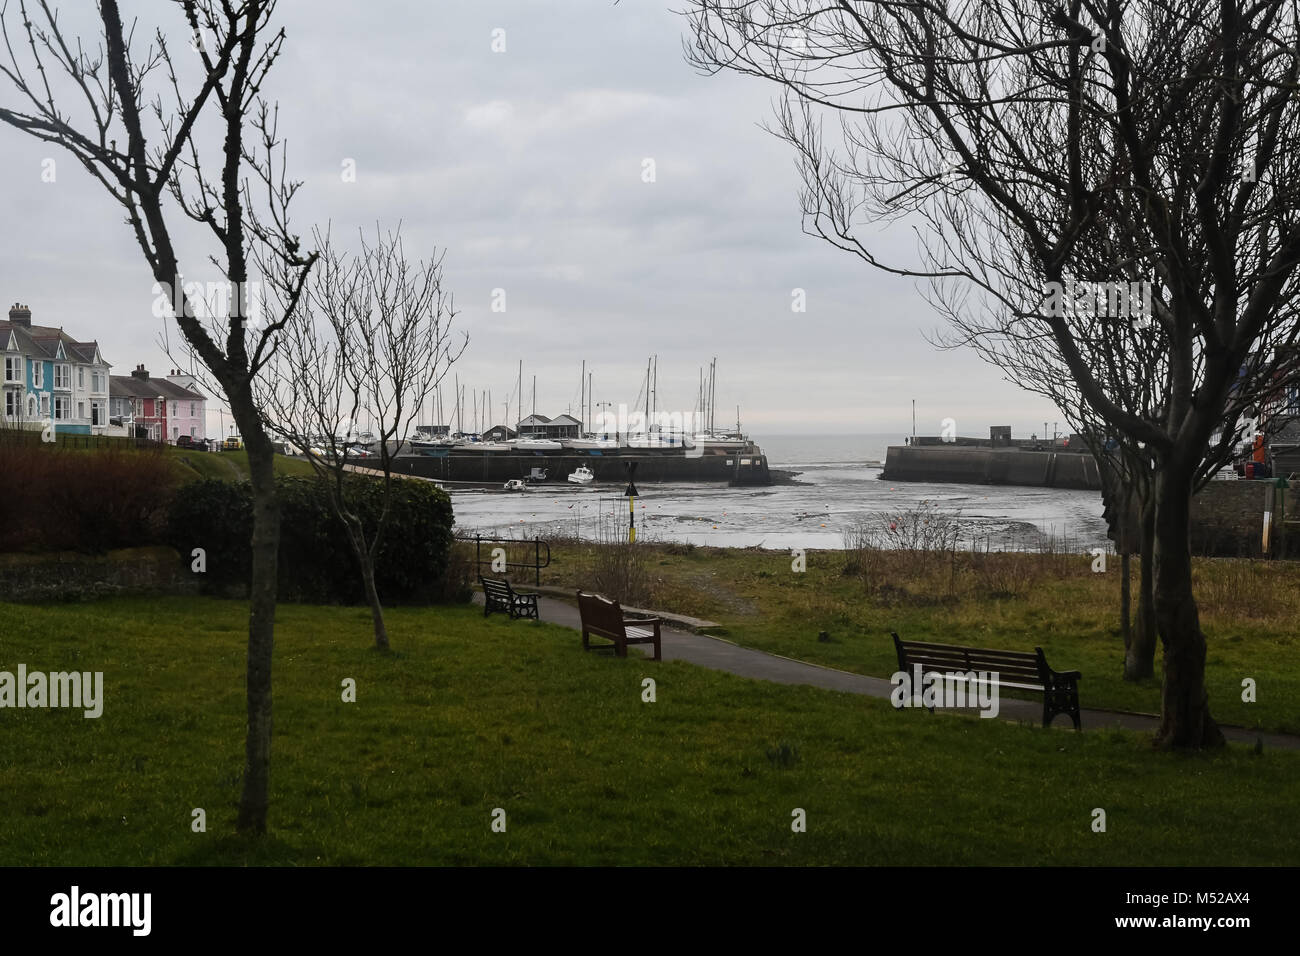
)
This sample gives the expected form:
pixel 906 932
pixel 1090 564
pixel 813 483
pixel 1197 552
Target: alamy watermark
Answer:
pixel 129 910
pixel 210 300
pixel 1116 300
pixel 84 690
pixel 931 689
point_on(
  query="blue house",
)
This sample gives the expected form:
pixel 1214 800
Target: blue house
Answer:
pixel 50 377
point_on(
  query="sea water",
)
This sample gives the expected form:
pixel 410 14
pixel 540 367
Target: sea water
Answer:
pixel 838 486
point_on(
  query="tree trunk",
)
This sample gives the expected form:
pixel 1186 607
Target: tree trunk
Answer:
pixel 357 534
pixel 261 626
pixel 1140 654
pixel 1125 603
pixel 1185 720
pixel 376 609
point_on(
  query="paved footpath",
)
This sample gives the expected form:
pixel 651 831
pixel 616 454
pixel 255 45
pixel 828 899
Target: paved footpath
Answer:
pixel 721 655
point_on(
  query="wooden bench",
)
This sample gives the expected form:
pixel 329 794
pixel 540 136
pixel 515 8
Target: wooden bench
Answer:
pixel 604 618
pixel 1017 669
pixel 498 595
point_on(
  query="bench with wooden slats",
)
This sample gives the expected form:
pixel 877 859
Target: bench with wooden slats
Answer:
pixel 604 618
pixel 498 595
pixel 1016 669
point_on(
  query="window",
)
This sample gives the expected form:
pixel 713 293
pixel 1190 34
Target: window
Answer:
pixel 194 433
pixel 175 405
pixel 61 404
pixel 13 368
pixel 96 382
pixel 62 376
pixel 81 409
pixel 13 404
pixel 96 413
pixel 31 406
pixel 38 374
pixel 176 432
pixel 81 377
pixel 45 404
pixel 193 413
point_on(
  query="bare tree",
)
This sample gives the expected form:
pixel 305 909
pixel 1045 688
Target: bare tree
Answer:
pixel 218 158
pixel 1024 138
pixel 373 334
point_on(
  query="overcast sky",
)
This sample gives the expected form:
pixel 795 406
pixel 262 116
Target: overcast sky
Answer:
pixel 526 167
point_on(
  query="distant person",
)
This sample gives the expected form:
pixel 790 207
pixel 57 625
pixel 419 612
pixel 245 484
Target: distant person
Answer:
pixel 1259 454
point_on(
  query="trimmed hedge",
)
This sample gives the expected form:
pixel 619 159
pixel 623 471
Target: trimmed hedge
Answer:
pixel 317 564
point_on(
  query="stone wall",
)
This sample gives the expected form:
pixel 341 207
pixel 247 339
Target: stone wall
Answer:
pixel 69 576
pixel 1228 520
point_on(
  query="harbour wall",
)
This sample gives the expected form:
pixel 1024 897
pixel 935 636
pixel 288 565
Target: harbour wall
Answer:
pixel 738 467
pixel 992 466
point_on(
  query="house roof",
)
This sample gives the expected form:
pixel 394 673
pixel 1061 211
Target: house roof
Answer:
pixel 128 386
pixel 565 420
pixel 44 341
pixel 535 420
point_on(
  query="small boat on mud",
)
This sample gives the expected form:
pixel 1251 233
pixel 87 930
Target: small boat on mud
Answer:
pixel 582 475
pixel 516 484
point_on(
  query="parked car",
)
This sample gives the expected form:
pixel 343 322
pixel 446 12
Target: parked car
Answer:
pixel 185 441
pixel 231 444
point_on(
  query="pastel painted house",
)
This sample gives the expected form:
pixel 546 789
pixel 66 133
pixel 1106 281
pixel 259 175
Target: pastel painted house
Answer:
pixel 50 376
pixel 166 408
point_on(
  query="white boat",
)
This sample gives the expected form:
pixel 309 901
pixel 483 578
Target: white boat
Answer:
pixel 587 444
pixel 582 476
pixel 516 484
pixel 659 440
pixel 536 444
pixel 720 440
pixel 486 446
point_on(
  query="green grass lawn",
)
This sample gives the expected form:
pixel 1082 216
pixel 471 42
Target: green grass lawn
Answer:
pixel 230 465
pixel 470 715
pixel 1249 610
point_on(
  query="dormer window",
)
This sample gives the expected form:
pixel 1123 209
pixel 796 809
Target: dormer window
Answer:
pixel 13 368
pixel 38 374
pixel 62 376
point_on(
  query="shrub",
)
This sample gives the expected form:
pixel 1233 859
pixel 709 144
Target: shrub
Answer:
pixel 59 498
pixel 316 560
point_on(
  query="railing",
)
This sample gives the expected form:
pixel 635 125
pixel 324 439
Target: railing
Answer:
pixel 66 440
pixel 537 563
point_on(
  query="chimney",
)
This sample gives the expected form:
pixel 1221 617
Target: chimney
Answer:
pixel 140 373
pixel 20 315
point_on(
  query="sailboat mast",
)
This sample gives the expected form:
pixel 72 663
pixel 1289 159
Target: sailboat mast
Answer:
pixel 655 406
pixel 713 393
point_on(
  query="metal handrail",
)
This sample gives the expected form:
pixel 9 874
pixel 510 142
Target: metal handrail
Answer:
pixel 537 563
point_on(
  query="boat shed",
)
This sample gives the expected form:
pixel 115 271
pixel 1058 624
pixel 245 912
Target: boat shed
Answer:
pixel 539 426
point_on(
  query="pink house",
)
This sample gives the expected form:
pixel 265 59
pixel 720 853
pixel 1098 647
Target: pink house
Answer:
pixel 166 408
pixel 186 412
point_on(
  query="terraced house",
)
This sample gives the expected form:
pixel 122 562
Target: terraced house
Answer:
pixel 163 409
pixel 49 376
